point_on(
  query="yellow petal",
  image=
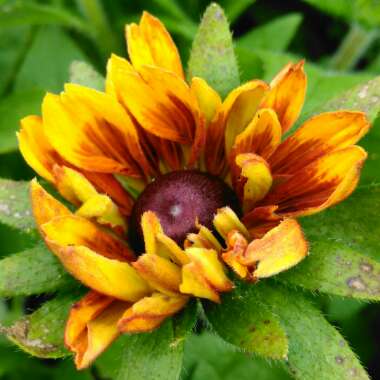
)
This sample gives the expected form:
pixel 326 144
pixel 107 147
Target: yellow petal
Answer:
pixel 317 137
pixel 226 220
pixel 258 177
pixel 204 276
pixel 287 94
pixel 149 43
pixel 44 206
pixel 203 239
pixel 148 313
pixel 35 148
pixel 92 327
pixel 322 184
pixel 160 273
pixel 280 249
pixel 208 99
pixel 239 107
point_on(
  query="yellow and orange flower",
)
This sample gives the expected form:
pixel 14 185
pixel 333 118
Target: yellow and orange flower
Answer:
pixel 100 149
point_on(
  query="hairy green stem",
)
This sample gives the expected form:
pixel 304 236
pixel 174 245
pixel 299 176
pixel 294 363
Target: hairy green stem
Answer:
pixel 353 47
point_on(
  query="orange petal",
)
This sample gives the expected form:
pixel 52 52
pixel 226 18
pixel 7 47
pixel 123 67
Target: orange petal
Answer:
pixel 204 276
pixel 280 249
pixel 92 327
pixel 320 185
pixel 287 94
pixel 36 149
pixel 85 139
pixel 44 206
pixel 255 179
pixel 318 136
pixel 262 135
pixel 261 219
pixel 160 273
pixel 149 43
pixel 74 230
pixel 148 313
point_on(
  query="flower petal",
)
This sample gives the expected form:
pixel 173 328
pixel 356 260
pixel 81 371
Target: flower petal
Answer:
pixel 226 220
pixel 255 179
pixel 280 249
pixel 287 94
pixel 84 139
pixel 148 313
pixel 35 148
pixel 319 136
pixel 320 185
pixel 204 276
pixel 44 206
pixel 160 273
pixel 149 43
pixel 262 135
pixel 92 326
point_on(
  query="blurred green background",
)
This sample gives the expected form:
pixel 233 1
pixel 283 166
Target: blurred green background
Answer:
pixel 340 40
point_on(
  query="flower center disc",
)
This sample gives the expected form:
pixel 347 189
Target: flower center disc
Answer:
pixel 179 199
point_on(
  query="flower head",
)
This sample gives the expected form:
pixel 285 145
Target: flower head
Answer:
pixel 171 186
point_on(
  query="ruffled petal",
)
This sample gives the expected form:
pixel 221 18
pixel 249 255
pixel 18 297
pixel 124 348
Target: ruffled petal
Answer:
pixel 322 184
pixel 255 179
pixel 148 313
pixel 204 276
pixel 280 249
pixel 287 94
pixel 319 136
pixel 149 43
pixel 226 220
pixel 92 326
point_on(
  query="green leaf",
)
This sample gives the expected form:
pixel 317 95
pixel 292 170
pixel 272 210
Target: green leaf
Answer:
pixel 33 271
pixel 84 74
pixel 235 8
pixel 316 349
pixel 208 354
pixel 363 97
pixel 250 326
pixel 364 11
pixel 152 356
pixel 284 28
pixel 344 249
pixel 15 208
pixel 12 109
pixel 28 13
pixel 212 56
pixel 45 67
pixel 41 333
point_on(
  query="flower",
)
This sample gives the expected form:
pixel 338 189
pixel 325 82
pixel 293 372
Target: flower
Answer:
pixel 170 185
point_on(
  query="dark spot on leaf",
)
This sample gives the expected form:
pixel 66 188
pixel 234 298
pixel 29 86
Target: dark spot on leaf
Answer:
pixel 356 283
pixel 339 359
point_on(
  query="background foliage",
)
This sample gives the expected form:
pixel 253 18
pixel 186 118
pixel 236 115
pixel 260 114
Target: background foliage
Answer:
pixel 341 42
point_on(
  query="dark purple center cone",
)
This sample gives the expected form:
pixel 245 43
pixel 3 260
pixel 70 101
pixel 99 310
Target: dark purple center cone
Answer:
pixel 178 199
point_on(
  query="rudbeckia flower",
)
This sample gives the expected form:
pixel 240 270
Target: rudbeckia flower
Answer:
pixel 173 188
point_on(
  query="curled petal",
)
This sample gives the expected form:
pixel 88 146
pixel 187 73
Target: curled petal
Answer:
pixel 36 149
pixel 257 178
pixel 79 191
pixel 319 136
pixel 149 43
pixel 208 99
pixel 203 239
pixel 148 313
pixel 322 184
pixel 92 327
pixel 204 276
pixel 287 94
pixel 280 249
pixel 160 273
pixel 45 207
pixel 262 135
pixel 226 220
